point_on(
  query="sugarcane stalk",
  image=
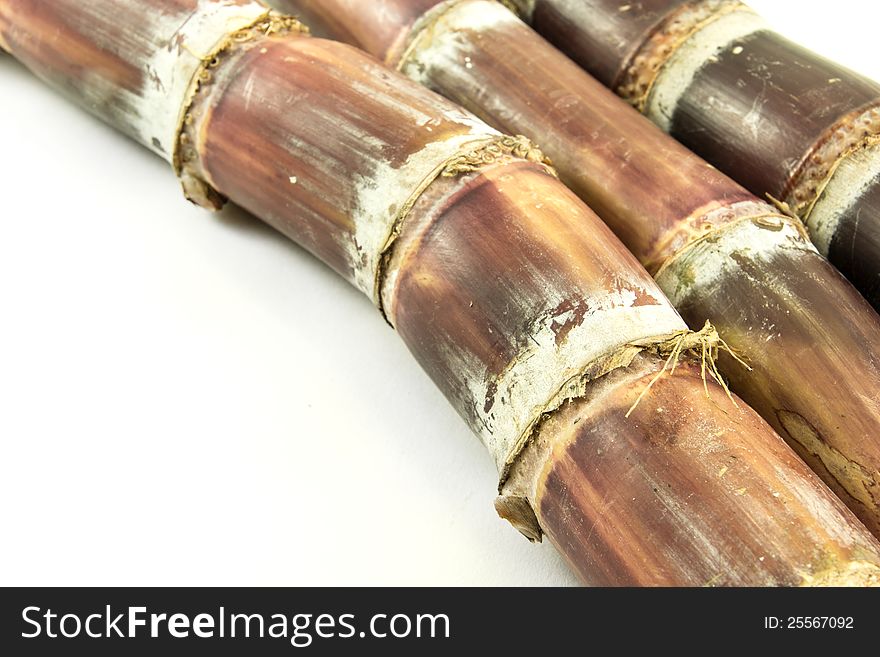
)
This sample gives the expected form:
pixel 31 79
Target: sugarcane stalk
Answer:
pixel 776 117
pixel 514 297
pixel 717 251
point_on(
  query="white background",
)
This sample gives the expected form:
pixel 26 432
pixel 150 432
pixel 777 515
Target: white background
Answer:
pixel 190 399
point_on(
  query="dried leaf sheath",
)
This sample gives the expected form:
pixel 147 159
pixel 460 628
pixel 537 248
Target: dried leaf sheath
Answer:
pixel 673 210
pixel 329 147
pixel 776 117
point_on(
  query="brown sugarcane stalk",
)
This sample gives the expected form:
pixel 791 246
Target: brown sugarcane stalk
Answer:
pixel 780 119
pixel 531 317
pixel 717 251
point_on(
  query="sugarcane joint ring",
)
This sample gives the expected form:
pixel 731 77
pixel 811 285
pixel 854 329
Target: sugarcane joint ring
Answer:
pixel 470 158
pixel 852 133
pixel 185 160
pixel 637 76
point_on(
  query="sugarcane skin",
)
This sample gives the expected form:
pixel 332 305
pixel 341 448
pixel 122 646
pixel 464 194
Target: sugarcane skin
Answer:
pixel 614 159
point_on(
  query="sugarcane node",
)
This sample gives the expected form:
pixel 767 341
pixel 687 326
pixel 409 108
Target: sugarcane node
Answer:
pixel 419 31
pixel 637 76
pixel 185 160
pixel 572 390
pixel 768 220
pixel 512 503
pixel 471 159
pixel 703 345
pixel 506 146
pixel 839 142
